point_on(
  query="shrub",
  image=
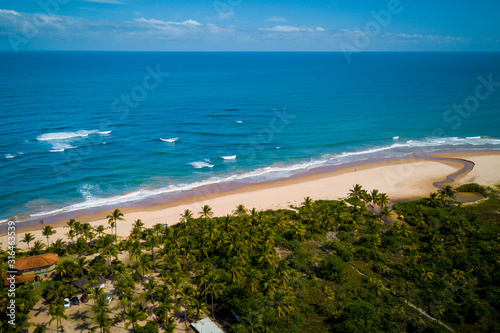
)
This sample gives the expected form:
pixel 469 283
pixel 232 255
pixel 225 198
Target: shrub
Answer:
pixel 473 187
pixel 291 245
pixel 150 327
pixel 333 269
pixel 342 249
pixel 473 310
pixel 300 261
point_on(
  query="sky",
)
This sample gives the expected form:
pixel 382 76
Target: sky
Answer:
pixel 250 25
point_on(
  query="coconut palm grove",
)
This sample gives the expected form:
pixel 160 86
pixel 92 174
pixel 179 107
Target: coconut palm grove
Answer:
pixel 352 265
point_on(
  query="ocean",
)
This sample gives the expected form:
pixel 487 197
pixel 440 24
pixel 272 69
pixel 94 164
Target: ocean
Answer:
pixel 91 130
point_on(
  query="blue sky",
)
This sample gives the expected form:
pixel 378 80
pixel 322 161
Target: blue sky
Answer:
pixel 250 25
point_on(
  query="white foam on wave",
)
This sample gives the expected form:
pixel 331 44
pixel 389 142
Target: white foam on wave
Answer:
pixel 473 137
pixel 87 191
pixel 275 171
pixel 200 165
pixel 239 121
pixel 171 140
pixel 60 147
pixel 60 141
pixel 395 137
pixel 65 135
pixel 10 156
pixel 231 157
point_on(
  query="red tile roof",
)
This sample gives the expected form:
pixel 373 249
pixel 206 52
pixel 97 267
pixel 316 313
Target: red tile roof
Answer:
pixel 38 261
pixel 19 279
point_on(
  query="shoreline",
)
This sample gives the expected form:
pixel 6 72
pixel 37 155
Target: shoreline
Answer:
pixel 411 176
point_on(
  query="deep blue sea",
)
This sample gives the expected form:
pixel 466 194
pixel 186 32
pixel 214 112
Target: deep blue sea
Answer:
pixel 93 129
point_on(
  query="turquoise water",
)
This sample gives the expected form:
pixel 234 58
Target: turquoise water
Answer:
pixel 84 130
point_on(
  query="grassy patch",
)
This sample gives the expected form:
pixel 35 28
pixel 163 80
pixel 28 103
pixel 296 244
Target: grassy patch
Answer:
pixel 70 257
pixel 489 210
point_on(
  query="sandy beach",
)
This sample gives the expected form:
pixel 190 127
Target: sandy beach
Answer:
pixel 406 178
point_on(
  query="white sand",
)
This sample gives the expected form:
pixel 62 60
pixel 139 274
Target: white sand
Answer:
pixel 399 179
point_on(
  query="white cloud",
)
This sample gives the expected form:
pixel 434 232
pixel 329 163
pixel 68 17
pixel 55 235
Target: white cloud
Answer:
pixel 160 22
pixel 427 37
pixel 406 36
pixel 225 15
pixel 113 2
pixel 277 19
pixel 94 9
pixel 287 28
pixel 9 12
pixel 49 20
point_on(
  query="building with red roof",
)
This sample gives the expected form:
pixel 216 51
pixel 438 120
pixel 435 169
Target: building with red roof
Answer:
pixel 34 268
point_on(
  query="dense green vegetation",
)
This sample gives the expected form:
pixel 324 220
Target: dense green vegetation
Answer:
pixel 326 266
pixel 473 187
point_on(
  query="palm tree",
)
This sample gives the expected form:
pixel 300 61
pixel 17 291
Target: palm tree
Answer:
pixel 58 246
pixel 185 296
pixel 385 213
pixel 254 320
pixel 57 313
pixel 82 266
pixel 383 200
pixel 407 286
pixel 447 192
pixel 329 295
pixel 240 211
pixel 138 224
pixel 457 274
pixel 434 200
pixel 427 275
pixel 283 302
pixel 27 238
pixel 77 226
pixel 299 231
pixel 377 286
pixel 86 230
pixel 267 255
pixel 235 270
pixel 144 263
pixel 100 230
pixel 252 281
pixel 186 216
pixel 47 232
pixel 40 328
pixel 374 196
pixel 110 251
pixel 149 286
pixel 206 212
pixel 71 224
pixel 214 287
pixel 37 247
pixel 356 192
pixel 159 229
pixel 151 242
pixel 126 299
pixel 103 322
pixel 66 269
pixel 68 290
pixel 404 231
pixel 25 299
pixel 135 314
pixel 165 305
pixel 71 234
pixel 115 215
